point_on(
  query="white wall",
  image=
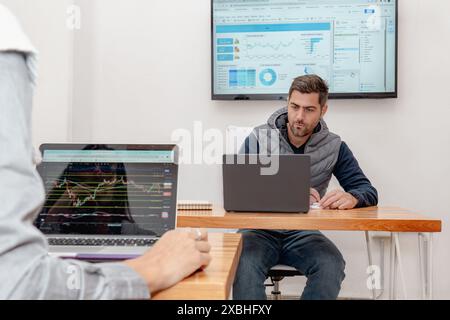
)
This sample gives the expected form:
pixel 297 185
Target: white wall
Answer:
pixel 142 69
pixel 45 23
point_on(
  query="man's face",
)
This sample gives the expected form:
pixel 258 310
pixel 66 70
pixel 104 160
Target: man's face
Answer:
pixel 304 113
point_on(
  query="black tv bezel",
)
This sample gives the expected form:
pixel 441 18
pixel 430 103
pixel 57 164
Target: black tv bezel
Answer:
pixel 284 97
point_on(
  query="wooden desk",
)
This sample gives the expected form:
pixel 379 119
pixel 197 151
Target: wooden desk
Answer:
pixel 213 283
pixel 391 219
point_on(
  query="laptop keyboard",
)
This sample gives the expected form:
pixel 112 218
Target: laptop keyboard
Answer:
pixel 128 242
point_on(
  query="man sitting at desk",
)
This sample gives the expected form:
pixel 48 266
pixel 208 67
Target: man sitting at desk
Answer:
pixel 302 130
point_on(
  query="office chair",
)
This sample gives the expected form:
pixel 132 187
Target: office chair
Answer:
pixel 278 273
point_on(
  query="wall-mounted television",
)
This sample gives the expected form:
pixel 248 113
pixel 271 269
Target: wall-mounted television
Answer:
pixel 260 46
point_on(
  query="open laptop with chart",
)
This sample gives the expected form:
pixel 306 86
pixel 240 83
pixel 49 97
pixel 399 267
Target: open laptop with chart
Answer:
pixel 107 202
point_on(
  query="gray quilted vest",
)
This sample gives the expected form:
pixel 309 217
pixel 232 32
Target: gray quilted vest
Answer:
pixel 323 147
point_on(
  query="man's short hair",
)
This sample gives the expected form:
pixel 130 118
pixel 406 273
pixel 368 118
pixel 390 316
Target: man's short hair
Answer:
pixel 311 84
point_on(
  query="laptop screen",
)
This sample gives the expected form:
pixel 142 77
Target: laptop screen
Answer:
pixel 108 190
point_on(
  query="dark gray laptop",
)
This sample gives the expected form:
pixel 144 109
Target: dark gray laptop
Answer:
pixel 107 202
pixel 280 183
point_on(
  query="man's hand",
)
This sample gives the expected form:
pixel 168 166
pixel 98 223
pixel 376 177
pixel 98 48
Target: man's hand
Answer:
pixel 339 200
pixel 314 196
pixel 174 257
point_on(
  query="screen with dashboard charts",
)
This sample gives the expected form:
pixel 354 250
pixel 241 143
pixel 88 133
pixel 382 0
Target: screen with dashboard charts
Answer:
pixel 260 46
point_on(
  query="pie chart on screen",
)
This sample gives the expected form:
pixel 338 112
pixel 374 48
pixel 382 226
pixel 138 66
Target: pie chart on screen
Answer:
pixel 268 77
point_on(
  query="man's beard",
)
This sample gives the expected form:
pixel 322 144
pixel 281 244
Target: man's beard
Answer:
pixel 299 133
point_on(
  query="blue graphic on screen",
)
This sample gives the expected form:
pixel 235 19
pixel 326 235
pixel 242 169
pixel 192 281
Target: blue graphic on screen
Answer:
pixel 268 77
pixel 242 78
pixel 260 48
pixel 314 41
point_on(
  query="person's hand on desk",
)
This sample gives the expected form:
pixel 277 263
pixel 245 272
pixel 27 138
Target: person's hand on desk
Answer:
pixel 174 257
pixel 338 200
pixel 314 196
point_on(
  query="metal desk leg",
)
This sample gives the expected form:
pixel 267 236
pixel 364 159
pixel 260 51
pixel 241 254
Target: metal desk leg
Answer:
pixel 426 264
pixel 369 255
pixel 422 267
pixel 430 265
pixel 400 264
pixel 392 271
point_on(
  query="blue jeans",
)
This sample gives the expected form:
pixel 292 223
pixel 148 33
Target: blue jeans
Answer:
pixel 310 252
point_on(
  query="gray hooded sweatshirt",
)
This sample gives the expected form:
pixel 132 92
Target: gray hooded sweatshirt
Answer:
pixel 323 147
